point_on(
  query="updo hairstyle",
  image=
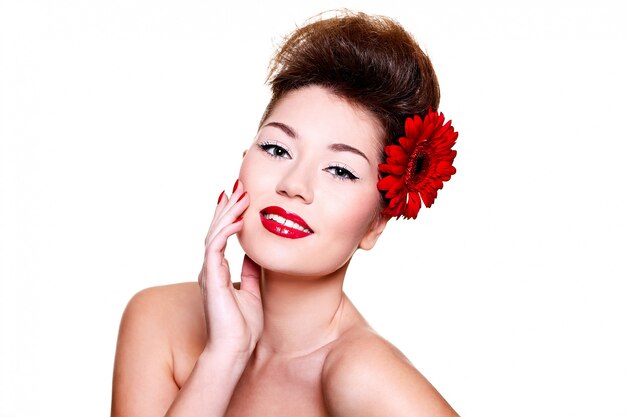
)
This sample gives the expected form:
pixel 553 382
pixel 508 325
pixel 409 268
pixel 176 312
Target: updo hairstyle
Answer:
pixel 370 61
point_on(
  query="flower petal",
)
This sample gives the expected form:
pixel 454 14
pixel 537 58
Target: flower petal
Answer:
pixel 392 169
pixel 430 139
pixel 410 128
pixel 413 206
pixel 387 182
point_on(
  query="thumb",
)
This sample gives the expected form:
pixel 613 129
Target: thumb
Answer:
pixel 251 276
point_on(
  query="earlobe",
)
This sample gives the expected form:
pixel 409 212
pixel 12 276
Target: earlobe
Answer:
pixel 378 225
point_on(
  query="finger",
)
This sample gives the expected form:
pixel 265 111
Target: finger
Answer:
pixel 215 271
pixel 229 216
pixel 251 276
pixel 215 264
pixel 236 197
pixel 200 274
pixel 227 211
pixel 224 203
pixel 222 200
pixel 217 244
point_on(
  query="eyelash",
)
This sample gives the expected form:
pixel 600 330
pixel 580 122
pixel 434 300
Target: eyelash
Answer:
pixel 267 147
pixel 341 171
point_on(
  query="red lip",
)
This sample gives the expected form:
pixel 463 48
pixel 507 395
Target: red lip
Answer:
pixel 281 229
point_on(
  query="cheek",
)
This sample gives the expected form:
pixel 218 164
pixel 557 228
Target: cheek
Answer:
pixel 254 174
pixel 353 213
pixel 245 167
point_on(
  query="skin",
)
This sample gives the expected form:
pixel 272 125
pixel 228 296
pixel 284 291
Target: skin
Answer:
pixel 287 340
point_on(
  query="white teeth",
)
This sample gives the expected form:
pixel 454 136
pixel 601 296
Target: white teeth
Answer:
pixel 285 222
pixel 276 218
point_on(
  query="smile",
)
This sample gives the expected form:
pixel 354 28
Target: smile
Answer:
pixel 278 221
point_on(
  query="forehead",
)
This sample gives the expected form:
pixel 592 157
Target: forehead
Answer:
pixel 316 113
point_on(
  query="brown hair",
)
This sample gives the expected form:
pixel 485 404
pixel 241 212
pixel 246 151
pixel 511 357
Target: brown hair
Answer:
pixel 371 61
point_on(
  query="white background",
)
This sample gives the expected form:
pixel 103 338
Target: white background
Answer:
pixel 122 121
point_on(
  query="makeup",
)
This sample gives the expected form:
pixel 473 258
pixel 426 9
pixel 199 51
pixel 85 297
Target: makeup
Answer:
pixel 282 223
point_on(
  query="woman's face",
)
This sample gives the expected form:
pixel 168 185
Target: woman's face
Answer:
pixel 311 175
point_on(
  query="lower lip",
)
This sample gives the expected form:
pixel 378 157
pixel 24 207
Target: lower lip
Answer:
pixel 282 230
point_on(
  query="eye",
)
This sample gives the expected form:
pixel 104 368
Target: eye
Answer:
pixel 341 172
pixel 274 150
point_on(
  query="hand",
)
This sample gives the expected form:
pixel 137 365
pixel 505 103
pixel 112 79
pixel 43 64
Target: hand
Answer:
pixel 234 317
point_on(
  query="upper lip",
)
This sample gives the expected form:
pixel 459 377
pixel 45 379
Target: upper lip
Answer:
pixel 287 215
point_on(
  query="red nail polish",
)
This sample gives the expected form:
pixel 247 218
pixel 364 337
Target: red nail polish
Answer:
pixel 238 219
pixel 242 196
pixel 219 199
pixel 236 185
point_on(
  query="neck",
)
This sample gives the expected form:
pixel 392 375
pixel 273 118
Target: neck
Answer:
pixel 301 314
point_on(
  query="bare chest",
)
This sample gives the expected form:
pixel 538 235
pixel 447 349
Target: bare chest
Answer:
pixel 281 389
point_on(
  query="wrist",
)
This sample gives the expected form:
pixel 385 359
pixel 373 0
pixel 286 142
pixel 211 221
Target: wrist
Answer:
pixel 210 386
pixel 219 357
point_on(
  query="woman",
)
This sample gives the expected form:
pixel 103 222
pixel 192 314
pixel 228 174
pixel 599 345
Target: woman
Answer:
pixel 287 341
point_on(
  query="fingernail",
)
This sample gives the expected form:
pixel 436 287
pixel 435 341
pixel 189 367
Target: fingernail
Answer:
pixel 219 199
pixel 236 185
pixel 242 196
pixel 238 219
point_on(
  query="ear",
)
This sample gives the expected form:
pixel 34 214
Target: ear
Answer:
pixel 376 228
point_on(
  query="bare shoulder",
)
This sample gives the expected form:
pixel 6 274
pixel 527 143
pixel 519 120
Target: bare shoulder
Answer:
pixel 366 375
pixel 160 327
pixel 164 309
pixel 166 295
pixel 167 320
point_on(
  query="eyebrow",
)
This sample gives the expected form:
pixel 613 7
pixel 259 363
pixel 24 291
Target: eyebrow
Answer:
pixel 288 131
pixel 342 147
pixel 337 147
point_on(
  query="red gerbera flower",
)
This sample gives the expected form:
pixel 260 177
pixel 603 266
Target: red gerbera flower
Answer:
pixel 418 165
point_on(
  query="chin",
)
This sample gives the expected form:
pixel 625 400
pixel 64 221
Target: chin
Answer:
pixel 295 257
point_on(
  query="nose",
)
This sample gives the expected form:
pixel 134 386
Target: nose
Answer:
pixel 296 182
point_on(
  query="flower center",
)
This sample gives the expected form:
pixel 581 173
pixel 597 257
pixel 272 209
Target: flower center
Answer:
pixel 417 165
